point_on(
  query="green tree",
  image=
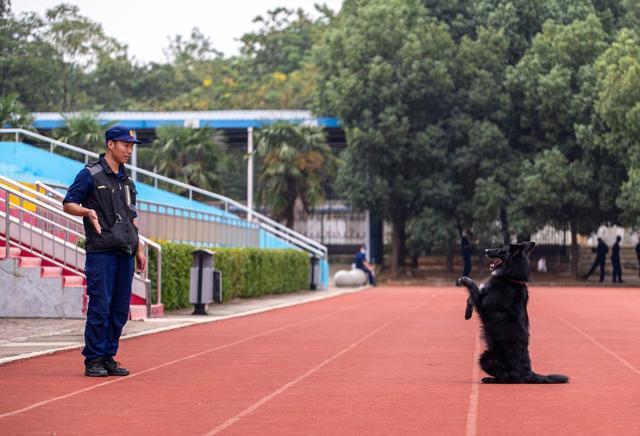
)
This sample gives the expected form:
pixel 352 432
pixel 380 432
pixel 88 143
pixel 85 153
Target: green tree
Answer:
pixel 555 82
pixel 557 191
pixel 29 66
pixel 189 155
pixel 84 130
pixel 13 113
pixel 385 72
pixel 293 160
pixel 618 106
pixel 80 42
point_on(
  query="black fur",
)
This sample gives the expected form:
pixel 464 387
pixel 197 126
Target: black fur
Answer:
pixel 501 303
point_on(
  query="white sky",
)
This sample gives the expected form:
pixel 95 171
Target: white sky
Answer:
pixel 145 25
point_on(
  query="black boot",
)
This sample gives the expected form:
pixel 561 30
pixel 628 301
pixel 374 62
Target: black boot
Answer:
pixel 95 368
pixel 113 368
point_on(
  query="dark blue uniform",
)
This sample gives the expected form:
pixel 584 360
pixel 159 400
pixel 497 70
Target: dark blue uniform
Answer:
pixel 601 257
pixel 615 262
pixel 465 246
pixel 109 267
pixel 359 261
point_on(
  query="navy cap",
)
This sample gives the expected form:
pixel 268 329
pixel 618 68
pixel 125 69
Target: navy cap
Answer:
pixel 120 133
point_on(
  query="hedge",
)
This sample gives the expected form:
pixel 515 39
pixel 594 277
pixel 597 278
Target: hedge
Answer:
pixel 246 272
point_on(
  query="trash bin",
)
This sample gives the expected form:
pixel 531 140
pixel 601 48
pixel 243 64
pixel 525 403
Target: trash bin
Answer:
pixel 314 274
pixel 201 281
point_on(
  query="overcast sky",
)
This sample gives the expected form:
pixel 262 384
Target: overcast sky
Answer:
pixel 145 25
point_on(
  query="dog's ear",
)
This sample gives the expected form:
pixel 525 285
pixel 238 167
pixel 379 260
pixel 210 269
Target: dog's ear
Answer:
pixel 528 246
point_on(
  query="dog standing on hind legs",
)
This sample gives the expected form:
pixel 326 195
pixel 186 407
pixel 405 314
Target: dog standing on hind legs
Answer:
pixel 501 303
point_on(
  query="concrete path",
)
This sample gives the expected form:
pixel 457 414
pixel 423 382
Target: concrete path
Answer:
pixel 22 338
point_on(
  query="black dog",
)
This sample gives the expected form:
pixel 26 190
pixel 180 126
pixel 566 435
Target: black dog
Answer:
pixel 501 303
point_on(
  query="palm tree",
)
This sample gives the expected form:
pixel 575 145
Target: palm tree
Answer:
pixel 189 155
pixel 294 159
pixel 13 113
pixel 84 130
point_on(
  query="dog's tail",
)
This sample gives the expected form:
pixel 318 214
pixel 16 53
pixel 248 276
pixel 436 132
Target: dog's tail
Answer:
pixel 474 295
pixel 551 378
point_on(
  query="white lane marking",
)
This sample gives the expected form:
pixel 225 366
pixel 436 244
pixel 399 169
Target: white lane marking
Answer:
pixel 599 345
pixel 182 359
pixel 229 422
pixel 472 411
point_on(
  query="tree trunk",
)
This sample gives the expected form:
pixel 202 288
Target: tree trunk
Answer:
pixel 504 226
pixel 450 254
pixel 396 247
pixel 403 245
pixel 289 217
pixel 574 248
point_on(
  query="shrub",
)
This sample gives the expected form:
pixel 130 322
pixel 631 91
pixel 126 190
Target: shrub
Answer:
pixel 246 272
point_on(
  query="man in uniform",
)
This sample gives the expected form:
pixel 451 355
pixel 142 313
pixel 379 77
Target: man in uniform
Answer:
pixel 615 261
pixel 601 257
pixel 362 264
pixel 105 196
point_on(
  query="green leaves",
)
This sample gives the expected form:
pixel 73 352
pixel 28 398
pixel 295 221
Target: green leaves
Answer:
pixel 246 272
pixel 84 130
pixel 293 160
pixel 189 155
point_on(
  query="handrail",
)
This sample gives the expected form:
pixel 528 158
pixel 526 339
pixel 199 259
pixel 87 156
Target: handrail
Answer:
pixel 47 188
pixel 292 235
pixel 55 207
pixel 276 232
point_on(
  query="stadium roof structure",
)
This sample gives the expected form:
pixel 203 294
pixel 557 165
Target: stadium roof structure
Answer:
pixel 231 119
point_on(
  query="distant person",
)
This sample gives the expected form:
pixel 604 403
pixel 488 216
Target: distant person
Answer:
pixel 615 261
pixel 601 257
pixel 362 264
pixel 638 256
pixel 466 249
pixel 542 264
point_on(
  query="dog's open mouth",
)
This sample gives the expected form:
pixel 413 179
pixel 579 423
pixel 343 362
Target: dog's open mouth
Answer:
pixel 496 264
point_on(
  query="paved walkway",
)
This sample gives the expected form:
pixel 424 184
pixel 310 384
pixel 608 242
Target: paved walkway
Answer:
pixel 22 338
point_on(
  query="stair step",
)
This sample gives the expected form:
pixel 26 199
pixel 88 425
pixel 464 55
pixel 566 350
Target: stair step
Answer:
pixel 72 281
pixel 13 252
pixel 30 262
pixel 51 271
pixel 139 311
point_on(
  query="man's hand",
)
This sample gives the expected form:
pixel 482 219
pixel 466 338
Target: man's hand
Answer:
pixel 77 210
pixel 93 217
pixel 141 260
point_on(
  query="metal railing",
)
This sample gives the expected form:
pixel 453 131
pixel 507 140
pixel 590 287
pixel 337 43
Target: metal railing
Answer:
pixel 195 226
pixel 281 231
pixel 28 228
pixel 51 223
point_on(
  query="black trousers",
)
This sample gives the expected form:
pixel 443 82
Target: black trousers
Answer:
pixel 597 263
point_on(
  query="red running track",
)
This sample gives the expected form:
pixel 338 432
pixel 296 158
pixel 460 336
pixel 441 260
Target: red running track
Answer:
pixel 383 361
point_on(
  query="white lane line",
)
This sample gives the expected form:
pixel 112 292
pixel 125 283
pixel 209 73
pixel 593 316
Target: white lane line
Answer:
pixel 182 359
pixel 599 345
pixel 472 411
pixel 40 344
pixel 229 422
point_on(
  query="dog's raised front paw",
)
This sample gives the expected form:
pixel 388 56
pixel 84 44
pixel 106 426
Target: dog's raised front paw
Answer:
pixel 489 380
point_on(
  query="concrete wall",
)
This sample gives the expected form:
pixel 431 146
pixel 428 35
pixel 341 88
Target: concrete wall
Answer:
pixel 24 293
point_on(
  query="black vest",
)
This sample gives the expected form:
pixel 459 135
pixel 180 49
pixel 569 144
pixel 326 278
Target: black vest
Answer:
pixel 115 204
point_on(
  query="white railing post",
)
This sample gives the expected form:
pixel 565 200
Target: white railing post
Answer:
pixel 250 173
